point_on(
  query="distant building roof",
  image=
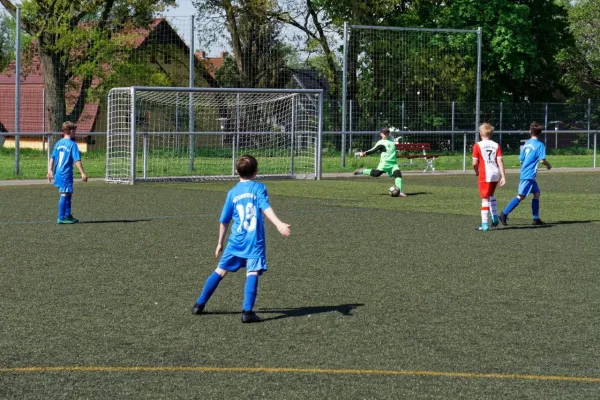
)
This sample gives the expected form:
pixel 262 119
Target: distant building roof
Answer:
pixel 32 86
pixel 212 64
pixel 309 78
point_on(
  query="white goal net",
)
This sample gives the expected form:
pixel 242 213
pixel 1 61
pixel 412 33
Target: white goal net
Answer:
pixel 164 134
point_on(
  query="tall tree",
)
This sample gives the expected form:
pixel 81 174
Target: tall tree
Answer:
pixel 521 40
pixel 253 36
pixel 76 38
pixel 581 63
pixel 7 44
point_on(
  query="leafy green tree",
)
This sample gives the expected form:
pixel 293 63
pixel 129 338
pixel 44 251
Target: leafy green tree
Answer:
pixel 521 40
pixel 7 44
pixel 581 63
pixel 77 38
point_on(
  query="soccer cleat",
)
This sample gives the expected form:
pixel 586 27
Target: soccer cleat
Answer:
pixel 64 221
pixel 359 171
pixel 249 317
pixel 72 219
pixel 197 309
pixel 503 218
pixel 538 222
pixel 402 194
pixel 483 227
pixel 495 221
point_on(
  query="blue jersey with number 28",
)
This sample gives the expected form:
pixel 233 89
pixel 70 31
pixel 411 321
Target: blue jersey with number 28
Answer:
pixel 245 204
pixel 532 153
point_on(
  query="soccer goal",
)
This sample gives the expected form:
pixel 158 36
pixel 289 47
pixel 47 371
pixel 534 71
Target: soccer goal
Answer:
pixel 165 134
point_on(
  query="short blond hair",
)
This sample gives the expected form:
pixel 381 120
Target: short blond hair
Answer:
pixel 486 130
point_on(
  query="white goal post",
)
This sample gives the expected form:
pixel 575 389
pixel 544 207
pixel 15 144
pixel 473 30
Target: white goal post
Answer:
pixel 167 134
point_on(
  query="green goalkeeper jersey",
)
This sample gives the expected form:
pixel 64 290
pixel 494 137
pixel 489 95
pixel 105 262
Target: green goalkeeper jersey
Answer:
pixel 387 147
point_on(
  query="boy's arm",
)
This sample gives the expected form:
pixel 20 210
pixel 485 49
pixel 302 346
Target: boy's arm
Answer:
pixel 376 149
pixel 222 232
pixel 547 164
pixel 50 174
pixel 84 176
pixel 476 166
pixel 282 227
pixel 475 156
pixel 500 162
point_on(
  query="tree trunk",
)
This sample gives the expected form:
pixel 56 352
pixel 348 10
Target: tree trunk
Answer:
pixel 55 80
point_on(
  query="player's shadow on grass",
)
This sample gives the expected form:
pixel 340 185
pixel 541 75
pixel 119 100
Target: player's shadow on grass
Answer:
pixel 408 193
pixel 573 222
pixel 109 221
pixel 550 224
pixel 344 309
pixel 547 225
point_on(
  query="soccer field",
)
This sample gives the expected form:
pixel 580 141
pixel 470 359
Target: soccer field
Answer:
pixel 371 297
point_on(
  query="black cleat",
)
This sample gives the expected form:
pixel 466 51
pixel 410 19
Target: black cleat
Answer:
pixel 197 309
pixel 503 218
pixel 538 222
pixel 359 171
pixel 249 317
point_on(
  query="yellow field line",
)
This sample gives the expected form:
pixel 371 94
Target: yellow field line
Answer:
pixel 304 371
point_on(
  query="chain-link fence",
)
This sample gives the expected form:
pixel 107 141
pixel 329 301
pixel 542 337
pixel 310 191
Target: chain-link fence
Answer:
pixel 158 54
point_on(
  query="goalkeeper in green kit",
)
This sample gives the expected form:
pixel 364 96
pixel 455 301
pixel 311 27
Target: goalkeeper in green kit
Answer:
pixel 387 163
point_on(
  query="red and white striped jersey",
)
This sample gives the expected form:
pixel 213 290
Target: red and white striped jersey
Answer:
pixel 487 152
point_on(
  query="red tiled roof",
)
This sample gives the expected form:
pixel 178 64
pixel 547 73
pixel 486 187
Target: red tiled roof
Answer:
pixel 212 64
pixel 32 85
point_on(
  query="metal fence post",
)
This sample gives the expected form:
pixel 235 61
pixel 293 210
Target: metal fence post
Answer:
pixel 546 123
pixel 403 128
pixel 350 125
pixel 452 129
pixel 595 147
pixel 500 124
pixel 344 94
pixel 478 89
pixel 589 122
pixel 191 97
pixel 17 91
pixel 465 152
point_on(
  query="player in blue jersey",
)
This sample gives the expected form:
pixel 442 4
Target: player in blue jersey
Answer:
pixel 532 153
pixel 245 205
pixel 60 168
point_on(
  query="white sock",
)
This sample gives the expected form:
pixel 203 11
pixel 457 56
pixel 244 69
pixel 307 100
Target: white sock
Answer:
pixel 485 211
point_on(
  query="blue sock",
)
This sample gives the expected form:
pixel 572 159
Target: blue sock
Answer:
pixel 535 208
pixel 68 206
pixel 511 206
pixel 62 207
pixel 250 291
pixel 209 288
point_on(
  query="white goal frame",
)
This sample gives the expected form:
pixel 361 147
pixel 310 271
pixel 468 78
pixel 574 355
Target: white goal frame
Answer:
pixel 145 143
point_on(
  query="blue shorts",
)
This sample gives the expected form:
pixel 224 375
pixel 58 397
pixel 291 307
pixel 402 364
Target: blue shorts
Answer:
pixel 65 189
pixel 232 263
pixel 527 186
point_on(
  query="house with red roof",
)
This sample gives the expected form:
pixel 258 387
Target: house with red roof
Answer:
pixel 159 42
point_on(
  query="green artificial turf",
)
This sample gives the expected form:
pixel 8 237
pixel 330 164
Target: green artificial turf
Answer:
pixel 370 297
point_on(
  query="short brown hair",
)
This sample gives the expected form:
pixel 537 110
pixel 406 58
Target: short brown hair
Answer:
pixel 67 126
pixel 246 166
pixel 535 129
pixel 486 128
